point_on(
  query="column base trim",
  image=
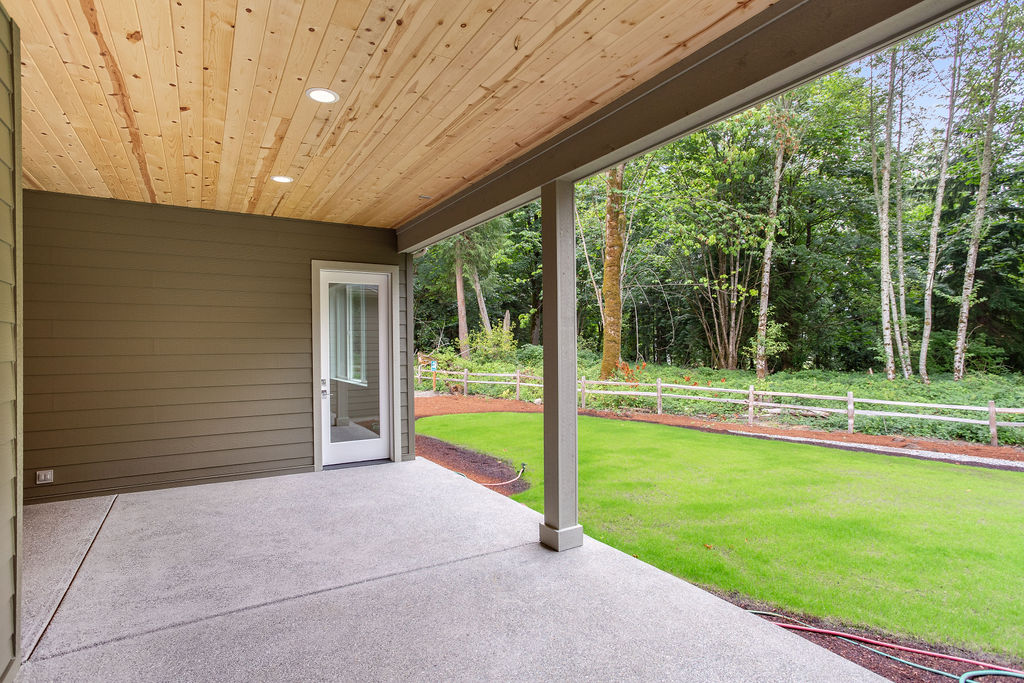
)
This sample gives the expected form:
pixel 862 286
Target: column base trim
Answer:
pixel 561 539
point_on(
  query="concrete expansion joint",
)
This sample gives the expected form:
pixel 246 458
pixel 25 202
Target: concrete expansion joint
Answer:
pixel 268 603
pixel 67 588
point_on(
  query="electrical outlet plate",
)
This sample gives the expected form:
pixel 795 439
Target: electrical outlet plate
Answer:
pixel 44 476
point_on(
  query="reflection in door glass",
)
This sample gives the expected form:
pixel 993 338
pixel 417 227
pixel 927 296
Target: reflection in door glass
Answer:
pixel 355 361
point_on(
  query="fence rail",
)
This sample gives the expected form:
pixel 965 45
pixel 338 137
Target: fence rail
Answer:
pixel 754 400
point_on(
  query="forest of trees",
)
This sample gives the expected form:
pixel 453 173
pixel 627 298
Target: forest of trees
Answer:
pixel 872 219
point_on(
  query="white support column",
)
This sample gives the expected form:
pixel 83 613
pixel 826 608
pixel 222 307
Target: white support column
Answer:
pixel 561 529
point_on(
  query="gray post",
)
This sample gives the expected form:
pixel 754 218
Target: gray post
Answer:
pixel 659 396
pixel 517 384
pixel 851 412
pixel 750 406
pixel 465 381
pixel 561 529
pixel 993 431
pixel 583 392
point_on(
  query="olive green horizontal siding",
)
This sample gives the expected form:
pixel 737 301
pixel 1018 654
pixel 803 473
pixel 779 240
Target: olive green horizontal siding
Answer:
pixel 168 345
pixel 11 312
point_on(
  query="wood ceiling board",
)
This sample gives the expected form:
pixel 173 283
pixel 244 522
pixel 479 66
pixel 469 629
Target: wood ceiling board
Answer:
pixel 451 86
pixel 343 54
pixel 198 102
pixel 69 71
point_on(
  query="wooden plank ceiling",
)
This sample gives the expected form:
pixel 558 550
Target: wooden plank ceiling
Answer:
pixel 198 102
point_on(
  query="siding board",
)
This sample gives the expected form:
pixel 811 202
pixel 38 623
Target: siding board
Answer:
pixel 181 396
pixel 170 345
pixel 72 419
pixel 11 344
pixel 170 363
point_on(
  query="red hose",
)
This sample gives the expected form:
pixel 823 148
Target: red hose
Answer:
pixel 880 643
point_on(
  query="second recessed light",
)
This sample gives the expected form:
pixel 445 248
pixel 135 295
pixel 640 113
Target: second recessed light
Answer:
pixel 322 95
pixel 282 178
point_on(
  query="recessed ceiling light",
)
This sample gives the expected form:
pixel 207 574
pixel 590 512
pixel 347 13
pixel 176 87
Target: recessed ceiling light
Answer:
pixel 282 178
pixel 322 95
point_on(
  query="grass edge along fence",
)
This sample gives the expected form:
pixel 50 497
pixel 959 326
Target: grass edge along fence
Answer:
pixel 753 399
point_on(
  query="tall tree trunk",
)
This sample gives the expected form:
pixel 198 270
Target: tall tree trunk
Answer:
pixel 882 188
pixel 535 323
pixel 783 140
pixel 611 287
pixel 506 324
pixel 481 304
pixel 981 204
pixel 460 301
pixel 940 192
pixel 902 329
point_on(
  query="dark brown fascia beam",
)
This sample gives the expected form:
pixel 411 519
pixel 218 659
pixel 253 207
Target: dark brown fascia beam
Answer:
pixel 792 42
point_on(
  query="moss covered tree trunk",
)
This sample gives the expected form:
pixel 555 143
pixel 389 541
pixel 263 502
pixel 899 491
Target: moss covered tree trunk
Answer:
pixel 611 288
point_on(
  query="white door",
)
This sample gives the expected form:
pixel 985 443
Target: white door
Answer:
pixel 356 416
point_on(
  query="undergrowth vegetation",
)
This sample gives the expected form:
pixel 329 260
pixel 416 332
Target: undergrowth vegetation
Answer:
pixel 976 389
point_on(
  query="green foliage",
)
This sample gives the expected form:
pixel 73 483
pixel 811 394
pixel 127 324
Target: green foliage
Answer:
pixel 977 389
pixel 496 344
pixel 531 356
pixel 902 545
pixel 774 341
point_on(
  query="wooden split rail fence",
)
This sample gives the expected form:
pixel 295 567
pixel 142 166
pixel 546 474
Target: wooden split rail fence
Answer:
pixel 753 400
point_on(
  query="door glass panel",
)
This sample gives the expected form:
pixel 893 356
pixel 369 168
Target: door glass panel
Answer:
pixel 354 361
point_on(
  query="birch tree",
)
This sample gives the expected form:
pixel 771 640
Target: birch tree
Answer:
pixel 786 140
pixel 901 329
pixel 998 57
pixel 940 192
pixel 882 179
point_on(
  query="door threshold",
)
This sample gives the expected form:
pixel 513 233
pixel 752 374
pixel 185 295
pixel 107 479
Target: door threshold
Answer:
pixel 364 463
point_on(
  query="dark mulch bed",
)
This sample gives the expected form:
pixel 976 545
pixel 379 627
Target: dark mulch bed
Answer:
pixel 883 666
pixel 481 468
pixel 487 469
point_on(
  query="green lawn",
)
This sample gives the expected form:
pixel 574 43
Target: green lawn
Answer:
pixel 916 548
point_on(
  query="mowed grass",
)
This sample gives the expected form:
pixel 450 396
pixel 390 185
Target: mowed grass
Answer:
pixel 923 549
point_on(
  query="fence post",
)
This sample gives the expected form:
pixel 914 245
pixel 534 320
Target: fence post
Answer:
pixel 433 386
pixel 517 384
pixel 750 407
pixel 850 412
pixel 583 393
pixel 465 381
pixel 659 396
pixel 993 432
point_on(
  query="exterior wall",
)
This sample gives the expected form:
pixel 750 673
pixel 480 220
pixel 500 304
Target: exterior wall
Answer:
pixel 10 346
pixel 168 345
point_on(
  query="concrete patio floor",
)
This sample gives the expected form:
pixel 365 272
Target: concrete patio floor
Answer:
pixel 390 572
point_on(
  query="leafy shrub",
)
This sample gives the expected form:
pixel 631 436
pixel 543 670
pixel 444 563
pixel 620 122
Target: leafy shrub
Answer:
pixel 491 345
pixel 531 355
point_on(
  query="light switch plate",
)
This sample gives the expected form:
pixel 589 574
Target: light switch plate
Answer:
pixel 44 476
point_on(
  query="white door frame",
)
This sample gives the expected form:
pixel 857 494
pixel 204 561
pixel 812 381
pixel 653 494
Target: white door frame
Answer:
pixel 394 356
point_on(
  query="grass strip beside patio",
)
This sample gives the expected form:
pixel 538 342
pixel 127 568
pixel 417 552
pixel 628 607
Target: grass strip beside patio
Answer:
pixel 916 548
